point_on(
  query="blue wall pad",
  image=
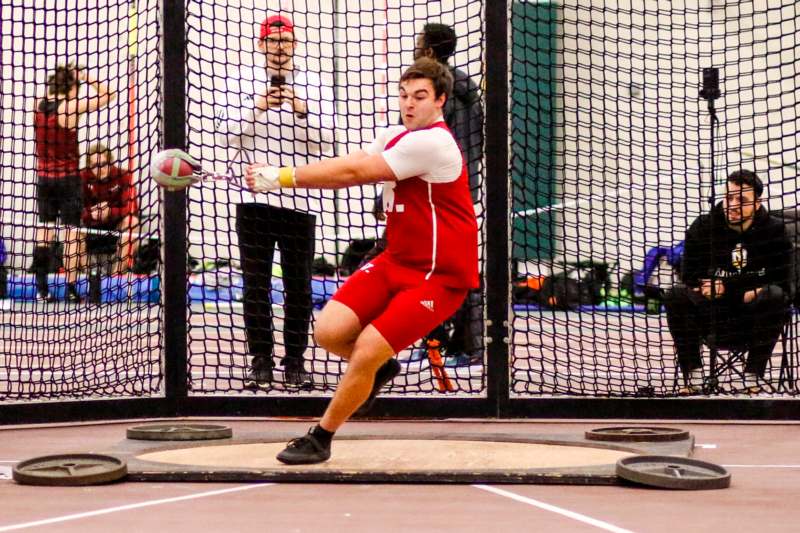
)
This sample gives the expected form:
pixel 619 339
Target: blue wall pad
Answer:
pixel 321 290
pixel 142 289
pixel 635 308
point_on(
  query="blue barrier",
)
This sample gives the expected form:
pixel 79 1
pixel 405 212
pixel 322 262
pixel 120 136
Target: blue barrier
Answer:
pixel 606 308
pixel 321 291
pixel 141 289
pixel 147 289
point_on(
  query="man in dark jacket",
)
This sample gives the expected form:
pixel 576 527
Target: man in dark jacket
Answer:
pixel 462 112
pixel 736 268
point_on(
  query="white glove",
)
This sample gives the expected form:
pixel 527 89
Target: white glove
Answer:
pixel 263 178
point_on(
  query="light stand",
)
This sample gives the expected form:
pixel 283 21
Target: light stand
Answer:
pixel 709 93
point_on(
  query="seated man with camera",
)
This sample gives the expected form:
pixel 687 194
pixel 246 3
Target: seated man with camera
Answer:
pixel 735 275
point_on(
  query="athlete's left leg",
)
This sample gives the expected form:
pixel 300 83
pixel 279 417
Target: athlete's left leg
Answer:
pixel 410 314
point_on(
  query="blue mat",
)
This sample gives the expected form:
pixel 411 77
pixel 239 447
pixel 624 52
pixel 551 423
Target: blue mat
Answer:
pixel 143 289
pixel 321 291
pixel 630 308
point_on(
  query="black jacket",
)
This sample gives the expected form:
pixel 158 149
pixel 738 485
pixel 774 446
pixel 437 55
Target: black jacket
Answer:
pixel 463 114
pixel 744 261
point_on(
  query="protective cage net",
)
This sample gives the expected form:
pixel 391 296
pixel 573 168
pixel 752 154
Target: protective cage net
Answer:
pixel 67 229
pixel 612 162
pixel 263 265
pixel 613 156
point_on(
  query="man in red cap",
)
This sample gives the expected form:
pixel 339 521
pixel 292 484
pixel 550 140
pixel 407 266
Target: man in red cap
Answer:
pixel 284 116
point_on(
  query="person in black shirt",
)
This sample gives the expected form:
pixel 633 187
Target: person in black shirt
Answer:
pixel 735 274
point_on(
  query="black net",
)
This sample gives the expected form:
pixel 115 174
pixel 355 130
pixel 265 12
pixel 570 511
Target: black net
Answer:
pixel 614 155
pixel 66 231
pixel 263 265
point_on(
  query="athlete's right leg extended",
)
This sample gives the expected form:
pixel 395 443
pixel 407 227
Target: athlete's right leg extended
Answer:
pixel 368 353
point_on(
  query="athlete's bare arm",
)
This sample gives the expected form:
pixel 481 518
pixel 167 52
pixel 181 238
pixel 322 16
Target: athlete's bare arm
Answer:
pixel 70 111
pixel 358 168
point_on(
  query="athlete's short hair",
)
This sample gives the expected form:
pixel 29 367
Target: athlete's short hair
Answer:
pixel 441 39
pixel 428 68
pixel 62 80
pixel 747 178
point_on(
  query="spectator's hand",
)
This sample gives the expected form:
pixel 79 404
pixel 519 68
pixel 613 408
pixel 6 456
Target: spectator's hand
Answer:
pixel 100 212
pixel 705 288
pixel 261 177
pixel 751 295
pixel 298 105
pixel 272 99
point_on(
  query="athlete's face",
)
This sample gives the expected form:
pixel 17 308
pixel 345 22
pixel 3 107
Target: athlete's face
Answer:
pixel 741 204
pixel 419 107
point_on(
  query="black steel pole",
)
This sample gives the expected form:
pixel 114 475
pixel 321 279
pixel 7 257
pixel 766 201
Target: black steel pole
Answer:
pixel 174 205
pixel 497 208
pixel 710 92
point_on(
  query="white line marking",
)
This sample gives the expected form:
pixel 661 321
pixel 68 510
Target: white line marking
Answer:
pixel 9 461
pixel 706 446
pixel 131 506
pixel 5 472
pixel 574 203
pixel 761 466
pixel 553 509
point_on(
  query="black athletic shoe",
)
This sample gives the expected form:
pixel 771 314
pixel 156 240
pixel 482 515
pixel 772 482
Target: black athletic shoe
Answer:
pixel 297 377
pixel 384 375
pixel 72 296
pixel 305 450
pixel 258 378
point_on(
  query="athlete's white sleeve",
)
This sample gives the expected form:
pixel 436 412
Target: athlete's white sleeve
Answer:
pixel 431 154
pixel 383 136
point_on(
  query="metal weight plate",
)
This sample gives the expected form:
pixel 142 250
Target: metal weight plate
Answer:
pixel 70 470
pixel 179 432
pixel 637 434
pixel 673 472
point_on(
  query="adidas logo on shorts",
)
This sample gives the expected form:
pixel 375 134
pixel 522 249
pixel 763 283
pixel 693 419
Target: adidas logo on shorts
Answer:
pixel 427 304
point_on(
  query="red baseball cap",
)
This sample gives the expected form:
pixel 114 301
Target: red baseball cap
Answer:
pixel 276 24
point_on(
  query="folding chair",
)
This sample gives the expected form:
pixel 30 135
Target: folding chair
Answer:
pixel 724 358
pixel 786 378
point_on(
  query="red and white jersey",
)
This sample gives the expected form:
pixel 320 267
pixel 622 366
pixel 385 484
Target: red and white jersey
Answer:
pixel 431 226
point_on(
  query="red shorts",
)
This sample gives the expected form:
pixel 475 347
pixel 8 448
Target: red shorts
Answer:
pixel 399 302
